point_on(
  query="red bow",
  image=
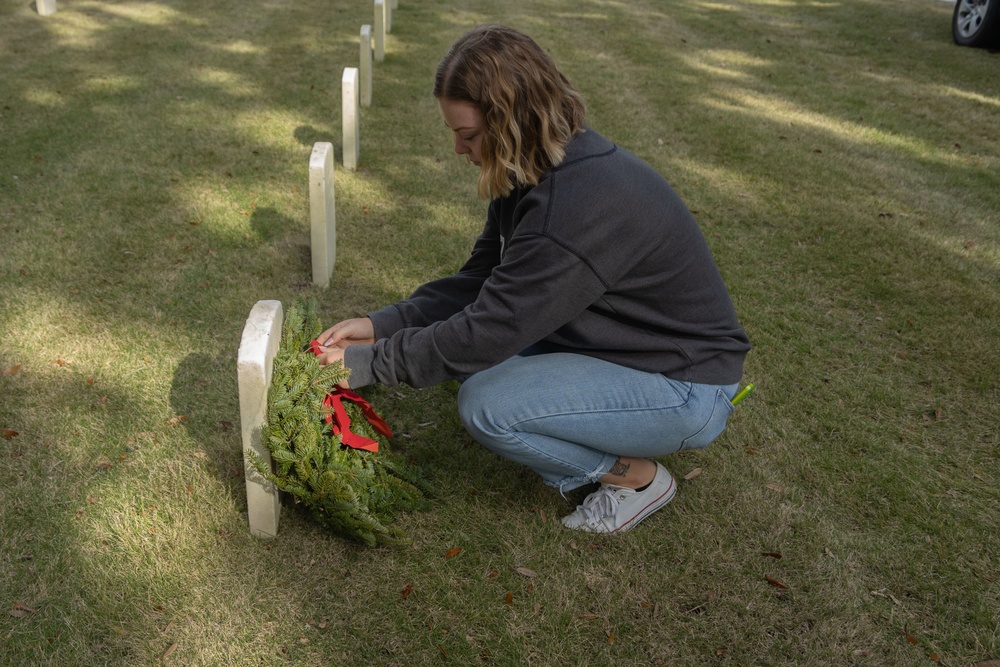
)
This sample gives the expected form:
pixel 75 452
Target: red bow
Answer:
pixel 340 423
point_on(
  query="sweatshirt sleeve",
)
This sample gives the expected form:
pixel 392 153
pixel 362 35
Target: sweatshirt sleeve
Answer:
pixel 540 286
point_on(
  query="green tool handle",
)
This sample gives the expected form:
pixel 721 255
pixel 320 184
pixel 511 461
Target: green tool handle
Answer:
pixel 743 393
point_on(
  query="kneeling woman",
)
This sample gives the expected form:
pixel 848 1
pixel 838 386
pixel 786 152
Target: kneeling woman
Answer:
pixel 590 326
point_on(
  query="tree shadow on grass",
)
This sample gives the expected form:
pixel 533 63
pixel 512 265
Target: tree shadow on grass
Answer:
pixel 194 395
pixel 307 135
pixel 269 224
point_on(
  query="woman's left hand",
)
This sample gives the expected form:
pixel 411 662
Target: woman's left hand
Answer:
pixel 331 355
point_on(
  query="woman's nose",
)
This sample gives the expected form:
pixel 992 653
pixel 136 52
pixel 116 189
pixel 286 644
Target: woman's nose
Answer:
pixel 460 147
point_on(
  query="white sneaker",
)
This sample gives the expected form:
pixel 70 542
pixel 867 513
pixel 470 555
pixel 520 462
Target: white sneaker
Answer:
pixel 612 509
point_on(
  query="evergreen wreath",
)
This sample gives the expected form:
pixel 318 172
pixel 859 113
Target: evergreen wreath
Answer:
pixel 355 493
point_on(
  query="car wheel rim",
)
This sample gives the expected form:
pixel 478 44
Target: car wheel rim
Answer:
pixel 970 16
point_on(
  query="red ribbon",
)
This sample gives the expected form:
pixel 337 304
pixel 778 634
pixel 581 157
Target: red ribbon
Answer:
pixel 340 423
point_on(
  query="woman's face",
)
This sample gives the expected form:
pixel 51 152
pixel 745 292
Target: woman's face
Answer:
pixel 466 123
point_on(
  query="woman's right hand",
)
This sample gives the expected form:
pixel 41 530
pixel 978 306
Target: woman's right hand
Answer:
pixel 356 331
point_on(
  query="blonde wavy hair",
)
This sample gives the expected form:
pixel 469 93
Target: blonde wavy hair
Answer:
pixel 530 110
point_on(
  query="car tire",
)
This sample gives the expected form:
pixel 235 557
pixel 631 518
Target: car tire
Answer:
pixel 976 23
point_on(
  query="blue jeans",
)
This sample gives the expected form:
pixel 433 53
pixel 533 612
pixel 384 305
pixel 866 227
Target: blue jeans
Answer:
pixel 569 417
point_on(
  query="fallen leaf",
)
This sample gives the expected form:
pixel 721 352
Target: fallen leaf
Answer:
pixel 451 553
pixel 720 651
pixel 8 433
pixel 60 362
pixel 694 473
pixel 538 608
pixel 20 610
pixel 104 465
pixel 170 651
pixel 406 591
pixel 611 637
pixel 492 574
pixel 912 639
pixel 10 370
pixel 988 663
pixel 774 582
pixel 527 572
pixel 509 598
pixel 776 487
pixel 934 657
pixel 772 554
pixel 170 626
pixel 589 617
pixel 173 421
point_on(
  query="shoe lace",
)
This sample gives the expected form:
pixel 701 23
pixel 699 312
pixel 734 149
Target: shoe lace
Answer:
pixel 600 504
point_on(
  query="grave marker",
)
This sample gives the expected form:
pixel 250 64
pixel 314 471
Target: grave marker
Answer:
pixel 322 210
pixel 254 364
pixel 365 70
pixel 45 7
pixel 379 30
pixel 350 115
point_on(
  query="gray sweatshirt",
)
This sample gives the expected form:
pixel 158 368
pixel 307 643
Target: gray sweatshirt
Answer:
pixel 600 258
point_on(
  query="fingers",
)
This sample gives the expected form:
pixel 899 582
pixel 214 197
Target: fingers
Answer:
pixel 357 331
pixel 331 355
pixel 329 337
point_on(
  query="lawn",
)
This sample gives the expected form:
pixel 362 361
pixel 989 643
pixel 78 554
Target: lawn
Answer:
pixel 843 159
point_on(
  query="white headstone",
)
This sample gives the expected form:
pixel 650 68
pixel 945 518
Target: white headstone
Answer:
pixel 254 364
pixel 365 70
pixel 379 30
pixel 351 117
pixel 45 7
pixel 388 15
pixel 322 210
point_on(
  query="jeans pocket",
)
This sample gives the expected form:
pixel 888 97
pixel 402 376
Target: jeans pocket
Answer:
pixel 721 409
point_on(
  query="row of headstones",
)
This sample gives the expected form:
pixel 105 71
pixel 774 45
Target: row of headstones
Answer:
pixel 356 92
pixel 262 331
pixel 356 82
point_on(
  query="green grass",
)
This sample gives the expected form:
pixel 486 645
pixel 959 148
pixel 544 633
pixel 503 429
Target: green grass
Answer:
pixel 843 159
